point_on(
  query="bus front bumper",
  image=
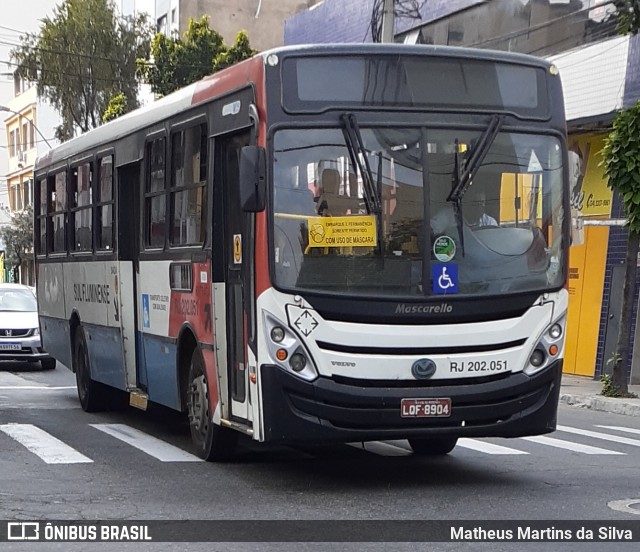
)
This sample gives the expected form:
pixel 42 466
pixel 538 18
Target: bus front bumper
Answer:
pixel 326 411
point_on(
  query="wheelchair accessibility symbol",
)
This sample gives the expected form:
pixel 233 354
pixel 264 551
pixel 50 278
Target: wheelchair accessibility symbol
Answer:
pixel 445 278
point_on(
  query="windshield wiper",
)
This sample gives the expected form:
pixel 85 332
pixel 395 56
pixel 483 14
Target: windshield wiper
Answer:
pixel 462 180
pixel 358 156
pixel 463 176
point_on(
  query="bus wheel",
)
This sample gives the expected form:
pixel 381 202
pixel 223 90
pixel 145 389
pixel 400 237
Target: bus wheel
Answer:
pixel 435 446
pixel 90 392
pixel 212 442
pixel 48 363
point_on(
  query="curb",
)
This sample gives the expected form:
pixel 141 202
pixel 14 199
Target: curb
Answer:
pixel 628 407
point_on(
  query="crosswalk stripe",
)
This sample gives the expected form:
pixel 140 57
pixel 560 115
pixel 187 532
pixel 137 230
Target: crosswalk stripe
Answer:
pixel 382 449
pixel 488 448
pixel 42 444
pixel 620 428
pixel 152 446
pixel 35 387
pixel 576 447
pixel 598 435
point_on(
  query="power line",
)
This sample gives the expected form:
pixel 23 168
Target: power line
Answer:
pixel 79 76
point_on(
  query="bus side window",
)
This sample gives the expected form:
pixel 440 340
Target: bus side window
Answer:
pixel 155 194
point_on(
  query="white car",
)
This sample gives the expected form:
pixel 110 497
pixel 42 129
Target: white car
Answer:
pixel 19 327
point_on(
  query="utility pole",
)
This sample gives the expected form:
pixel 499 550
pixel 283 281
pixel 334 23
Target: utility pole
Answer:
pixel 388 21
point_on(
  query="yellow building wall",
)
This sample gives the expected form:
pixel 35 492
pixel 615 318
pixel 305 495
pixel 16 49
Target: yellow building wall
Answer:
pixel 587 265
pixel 592 199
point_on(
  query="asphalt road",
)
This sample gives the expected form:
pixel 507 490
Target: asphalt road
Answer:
pixel 128 464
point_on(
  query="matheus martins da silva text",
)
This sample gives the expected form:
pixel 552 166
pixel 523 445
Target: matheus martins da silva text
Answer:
pixel 524 533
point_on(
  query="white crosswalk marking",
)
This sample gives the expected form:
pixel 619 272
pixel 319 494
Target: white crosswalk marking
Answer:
pixel 620 428
pixel 161 450
pixel 598 435
pixel 44 445
pixel 488 448
pixel 568 445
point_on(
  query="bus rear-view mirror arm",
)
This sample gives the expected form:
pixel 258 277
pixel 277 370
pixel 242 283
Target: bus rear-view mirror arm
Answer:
pixel 252 178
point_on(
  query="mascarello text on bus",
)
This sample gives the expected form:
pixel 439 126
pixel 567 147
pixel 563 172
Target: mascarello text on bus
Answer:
pixel 320 244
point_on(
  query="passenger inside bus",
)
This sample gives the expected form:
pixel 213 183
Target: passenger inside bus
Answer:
pixel 476 211
pixel 330 201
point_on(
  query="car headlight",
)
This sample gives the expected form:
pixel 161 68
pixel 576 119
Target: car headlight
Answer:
pixel 36 331
pixel 287 350
pixel 548 348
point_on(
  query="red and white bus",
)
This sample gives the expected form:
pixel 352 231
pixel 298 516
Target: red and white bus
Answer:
pixel 320 244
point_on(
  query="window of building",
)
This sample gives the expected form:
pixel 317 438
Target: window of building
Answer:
pixel 81 207
pixel 32 135
pixel 155 194
pixel 16 191
pixel 161 25
pixel 12 143
pixel 25 136
pixel 105 204
pixel 26 191
pixel 188 186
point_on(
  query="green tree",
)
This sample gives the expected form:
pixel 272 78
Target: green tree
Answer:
pixel 176 62
pixel 240 50
pixel 117 107
pixel 82 57
pixel 17 237
pixel 628 16
pixel 621 161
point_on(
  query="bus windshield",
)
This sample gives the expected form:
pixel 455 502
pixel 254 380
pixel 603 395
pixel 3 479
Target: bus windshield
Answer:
pixel 501 232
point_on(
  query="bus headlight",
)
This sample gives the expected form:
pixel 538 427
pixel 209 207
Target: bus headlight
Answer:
pixel 287 350
pixel 277 334
pixel 547 349
pixel 298 362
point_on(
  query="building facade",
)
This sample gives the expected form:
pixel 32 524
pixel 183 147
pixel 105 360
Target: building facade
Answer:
pixel 29 130
pixel 262 19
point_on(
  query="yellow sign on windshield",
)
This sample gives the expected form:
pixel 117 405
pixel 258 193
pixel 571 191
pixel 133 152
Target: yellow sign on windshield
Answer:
pixel 349 231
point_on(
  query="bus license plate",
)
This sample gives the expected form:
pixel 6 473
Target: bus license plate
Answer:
pixel 425 408
pixel 10 346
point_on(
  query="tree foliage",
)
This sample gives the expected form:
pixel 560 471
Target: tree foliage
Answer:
pixel 628 16
pixel 117 107
pixel 621 162
pixel 17 237
pixel 176 62
pixel 83 56
pixel 240 50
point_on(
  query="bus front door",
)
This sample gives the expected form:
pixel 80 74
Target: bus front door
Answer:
pixel 233 299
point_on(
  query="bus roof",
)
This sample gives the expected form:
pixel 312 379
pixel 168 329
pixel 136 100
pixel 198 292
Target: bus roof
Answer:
pixel 244 73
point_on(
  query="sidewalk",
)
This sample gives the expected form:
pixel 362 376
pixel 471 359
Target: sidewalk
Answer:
pixel 585 392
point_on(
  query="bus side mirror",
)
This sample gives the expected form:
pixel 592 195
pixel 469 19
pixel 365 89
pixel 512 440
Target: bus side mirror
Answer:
pixel 252 178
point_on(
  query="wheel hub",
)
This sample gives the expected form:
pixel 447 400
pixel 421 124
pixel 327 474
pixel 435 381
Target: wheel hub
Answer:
pixel 198 408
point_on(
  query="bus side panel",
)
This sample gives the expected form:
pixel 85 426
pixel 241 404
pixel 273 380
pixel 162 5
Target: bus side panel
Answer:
pixel 92 292
pixel 55 339
pixel 106 367
pixel 158 348
pixel 161 370
pixel 125 295
pixel 54 324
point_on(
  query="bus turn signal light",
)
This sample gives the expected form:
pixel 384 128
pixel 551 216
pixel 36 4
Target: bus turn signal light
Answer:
pixel 553 350
pixel 281 354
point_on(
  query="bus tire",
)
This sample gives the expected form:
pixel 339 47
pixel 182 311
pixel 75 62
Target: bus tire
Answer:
pixel 92 394
pixel 48 363
pixel 433 446
pixel 212 442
